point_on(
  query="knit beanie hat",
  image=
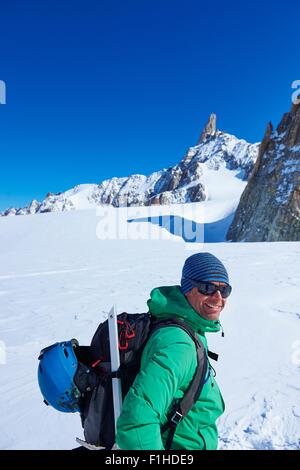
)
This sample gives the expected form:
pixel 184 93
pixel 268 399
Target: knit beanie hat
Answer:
pixel 202 267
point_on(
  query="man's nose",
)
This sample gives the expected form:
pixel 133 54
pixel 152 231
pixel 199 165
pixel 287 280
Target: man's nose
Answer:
pixel 217 295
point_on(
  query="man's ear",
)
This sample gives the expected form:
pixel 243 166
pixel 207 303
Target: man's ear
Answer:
pixel 189 293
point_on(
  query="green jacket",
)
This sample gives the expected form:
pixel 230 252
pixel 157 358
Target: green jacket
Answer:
pixel 168 365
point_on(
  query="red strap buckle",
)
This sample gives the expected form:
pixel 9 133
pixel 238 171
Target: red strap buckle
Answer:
pixel 125 333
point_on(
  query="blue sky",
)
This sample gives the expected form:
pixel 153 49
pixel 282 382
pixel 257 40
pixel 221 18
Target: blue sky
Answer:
pixel 106 88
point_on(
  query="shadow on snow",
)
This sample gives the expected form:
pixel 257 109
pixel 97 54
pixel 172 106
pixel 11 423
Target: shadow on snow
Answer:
pixel 189 230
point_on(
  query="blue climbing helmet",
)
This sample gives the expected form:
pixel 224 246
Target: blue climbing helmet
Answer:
pixel 56 371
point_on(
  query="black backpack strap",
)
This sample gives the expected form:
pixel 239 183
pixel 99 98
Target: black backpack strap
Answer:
pixel 212 355
pixel 184 405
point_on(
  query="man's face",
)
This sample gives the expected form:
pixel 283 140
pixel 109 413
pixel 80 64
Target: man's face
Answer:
pixel 208 306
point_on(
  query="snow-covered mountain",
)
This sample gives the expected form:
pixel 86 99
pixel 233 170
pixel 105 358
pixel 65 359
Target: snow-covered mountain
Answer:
pixel 193 179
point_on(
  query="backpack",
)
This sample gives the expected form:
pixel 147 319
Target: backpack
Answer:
pixel 93 376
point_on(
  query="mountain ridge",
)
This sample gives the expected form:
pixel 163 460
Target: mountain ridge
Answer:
pixel 182 183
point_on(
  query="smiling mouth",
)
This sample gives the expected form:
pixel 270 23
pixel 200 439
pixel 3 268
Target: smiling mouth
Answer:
pixel 213 306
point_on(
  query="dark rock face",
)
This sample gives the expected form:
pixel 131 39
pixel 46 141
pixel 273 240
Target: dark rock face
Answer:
pixel 269 208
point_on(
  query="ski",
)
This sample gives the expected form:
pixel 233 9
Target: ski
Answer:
pixel 115 362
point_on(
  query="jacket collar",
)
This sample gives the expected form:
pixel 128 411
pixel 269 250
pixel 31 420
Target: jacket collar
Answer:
pixel 169 301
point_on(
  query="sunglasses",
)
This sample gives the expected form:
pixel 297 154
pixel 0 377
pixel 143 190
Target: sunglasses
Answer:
pixel 208 288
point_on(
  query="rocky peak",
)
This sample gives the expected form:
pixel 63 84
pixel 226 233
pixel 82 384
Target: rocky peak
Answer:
pixel 291 126
pixel 210 129
pixel 269 208
pixel 263 147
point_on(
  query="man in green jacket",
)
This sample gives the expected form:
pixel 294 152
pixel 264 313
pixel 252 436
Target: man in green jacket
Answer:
pixel 169 362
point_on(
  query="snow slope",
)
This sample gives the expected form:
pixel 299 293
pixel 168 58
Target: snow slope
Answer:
pixel 58 279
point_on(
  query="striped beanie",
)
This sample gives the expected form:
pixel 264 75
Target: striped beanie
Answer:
pixel 202 267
